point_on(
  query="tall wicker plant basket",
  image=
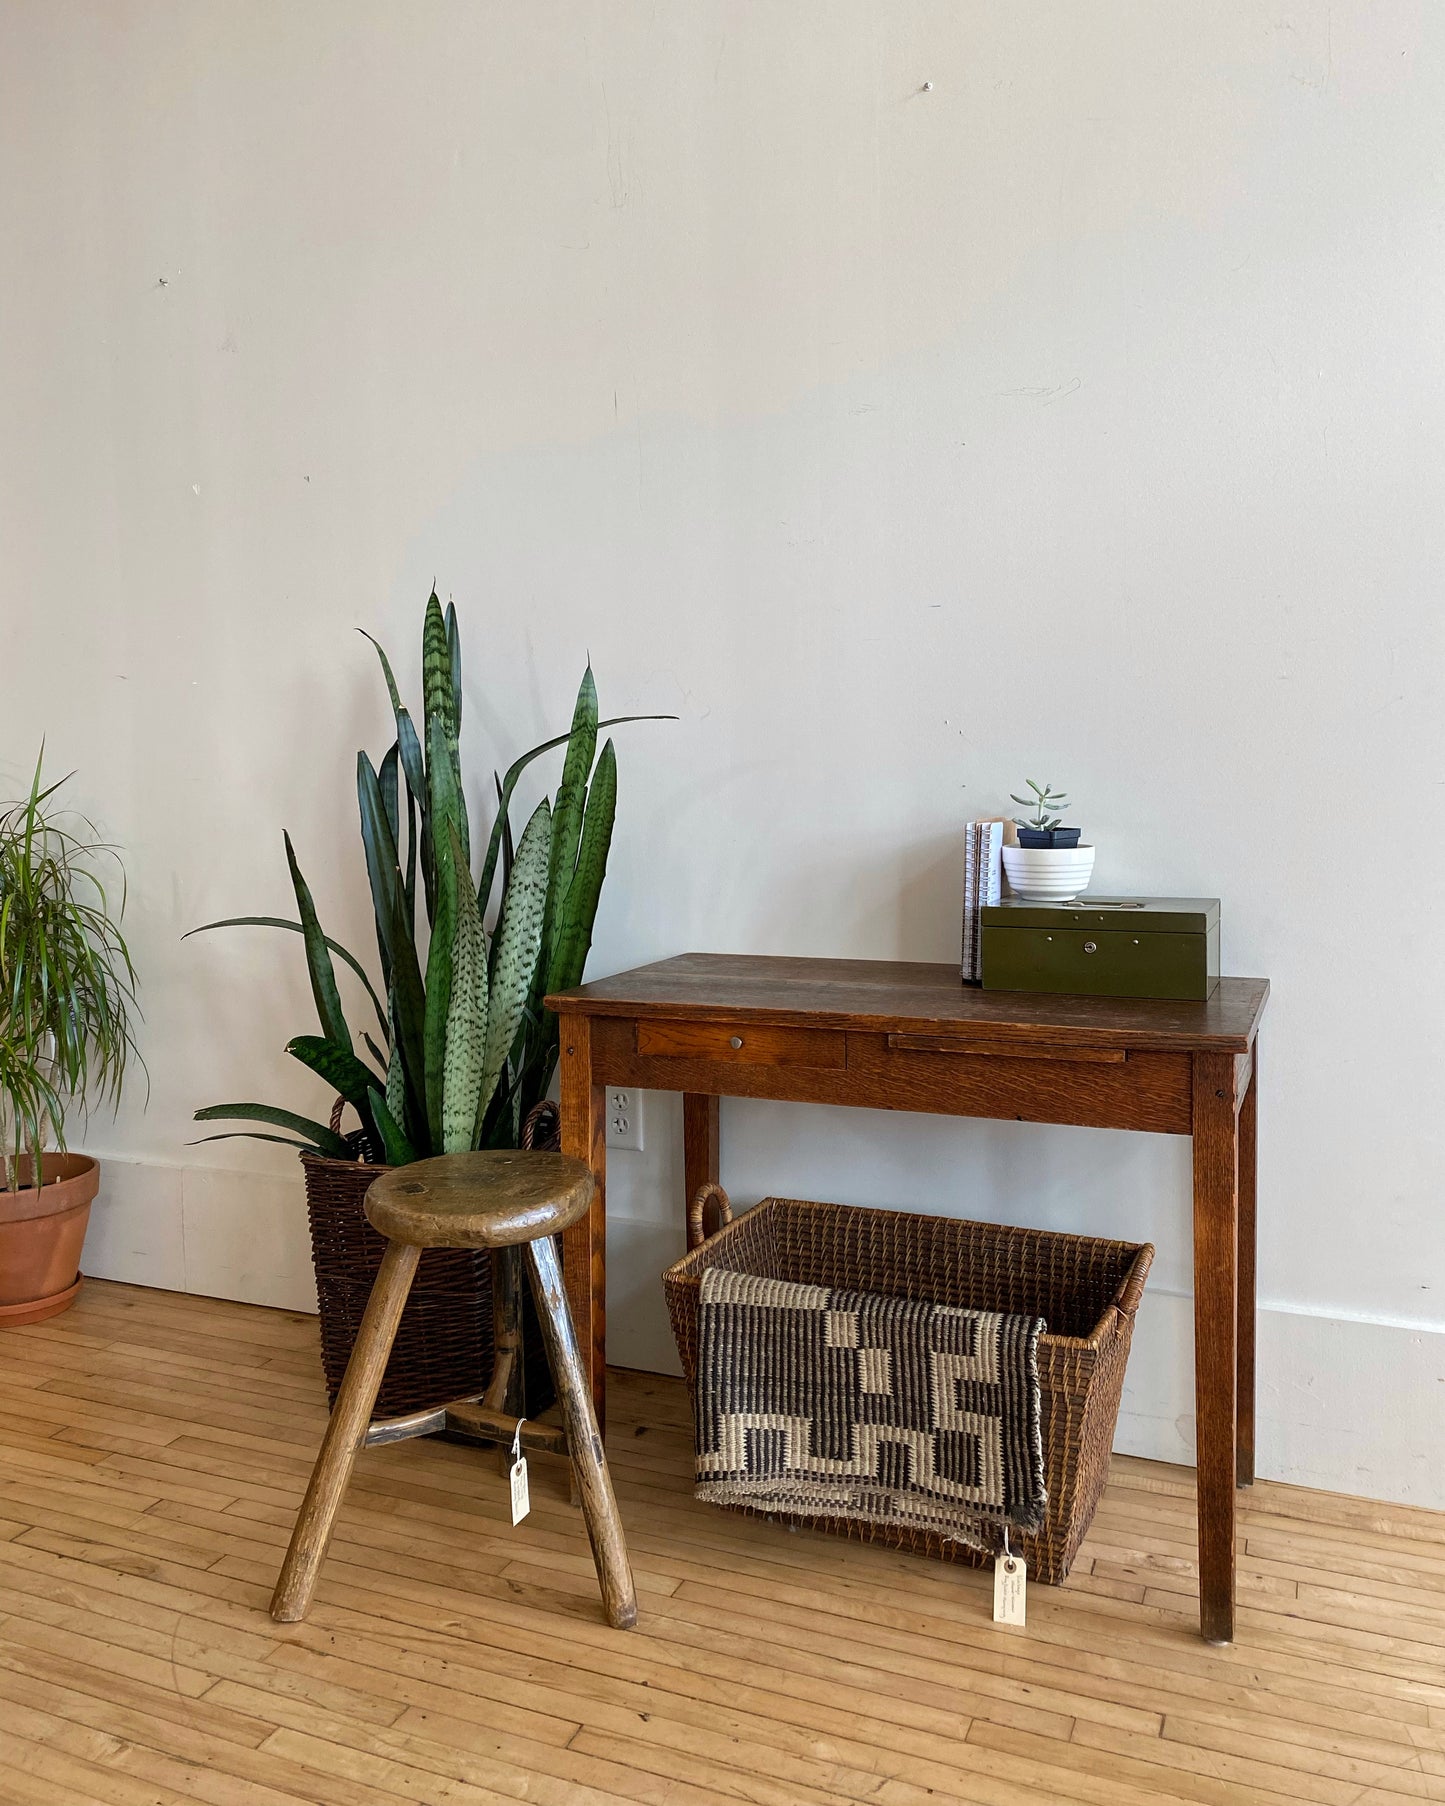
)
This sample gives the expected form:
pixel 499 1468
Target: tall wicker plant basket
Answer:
pixel 1086 1290
pixel 443 1348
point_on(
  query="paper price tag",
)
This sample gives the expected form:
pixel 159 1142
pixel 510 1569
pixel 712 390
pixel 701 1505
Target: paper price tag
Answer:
pixel 521 1500
pixel 1010 1576
pixel 521 1503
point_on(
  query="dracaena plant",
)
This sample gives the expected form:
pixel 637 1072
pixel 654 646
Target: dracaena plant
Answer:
pixel 463 1047
pixel 67 986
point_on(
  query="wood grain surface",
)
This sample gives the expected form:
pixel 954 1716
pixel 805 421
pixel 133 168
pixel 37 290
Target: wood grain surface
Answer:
pixel 1216 1317
pixel 584 1440
pixel 701 1143
pixel 345 1433
pixel 496 1198
pixel 740 1043
pixel 584 1244
pixel 899 995
pixel 1247 1281
pixel 154 1448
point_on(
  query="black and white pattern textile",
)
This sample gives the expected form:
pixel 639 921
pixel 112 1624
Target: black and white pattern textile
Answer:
pixel 822 1403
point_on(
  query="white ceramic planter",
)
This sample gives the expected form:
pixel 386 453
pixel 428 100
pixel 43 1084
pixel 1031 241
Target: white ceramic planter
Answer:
pixel 1048 874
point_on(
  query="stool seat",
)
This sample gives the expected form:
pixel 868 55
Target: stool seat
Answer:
pixel 493 1199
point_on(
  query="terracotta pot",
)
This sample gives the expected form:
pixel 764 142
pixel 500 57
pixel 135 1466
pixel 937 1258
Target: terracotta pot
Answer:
pixel 41 1235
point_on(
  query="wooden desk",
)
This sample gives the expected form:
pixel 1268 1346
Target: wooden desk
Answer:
pixel 894 1036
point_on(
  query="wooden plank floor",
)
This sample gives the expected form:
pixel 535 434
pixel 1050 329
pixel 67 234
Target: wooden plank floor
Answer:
pixel 153 1449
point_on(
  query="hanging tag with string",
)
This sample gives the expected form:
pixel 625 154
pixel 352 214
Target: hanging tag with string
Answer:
pixel 1010 1577
pixel 521 1501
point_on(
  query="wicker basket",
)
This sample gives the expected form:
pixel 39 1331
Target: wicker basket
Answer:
pixel 1087 1291
pixel 443 1348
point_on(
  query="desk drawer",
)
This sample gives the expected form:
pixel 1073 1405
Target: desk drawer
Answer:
pixel 742 1043
pixel 1100 1087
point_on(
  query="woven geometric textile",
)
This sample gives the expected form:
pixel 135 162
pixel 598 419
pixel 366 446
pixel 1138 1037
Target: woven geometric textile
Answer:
pixel 823 1403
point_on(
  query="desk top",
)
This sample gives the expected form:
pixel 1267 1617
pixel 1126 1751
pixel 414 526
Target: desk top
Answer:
pixel 898 995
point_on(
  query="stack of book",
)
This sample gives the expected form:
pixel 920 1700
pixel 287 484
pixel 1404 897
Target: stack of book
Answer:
pixel 982 884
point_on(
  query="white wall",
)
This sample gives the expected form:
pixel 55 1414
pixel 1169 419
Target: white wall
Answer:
pixel 1079 418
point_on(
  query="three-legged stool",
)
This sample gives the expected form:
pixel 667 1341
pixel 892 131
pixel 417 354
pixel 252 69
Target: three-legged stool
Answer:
pixel 503 1201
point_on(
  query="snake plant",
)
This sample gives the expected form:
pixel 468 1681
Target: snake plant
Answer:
pixel 464 1047
pixel 67 985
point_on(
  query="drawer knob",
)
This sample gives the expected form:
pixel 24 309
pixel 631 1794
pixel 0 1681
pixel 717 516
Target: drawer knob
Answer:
pixel 736 1041
pixel 1091 946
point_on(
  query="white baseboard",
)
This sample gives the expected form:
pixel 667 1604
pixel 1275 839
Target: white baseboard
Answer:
pixel 1345 1403
pixel 208 1230
pixel 1348 1404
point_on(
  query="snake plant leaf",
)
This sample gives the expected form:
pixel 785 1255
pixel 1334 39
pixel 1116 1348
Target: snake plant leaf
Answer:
pixel 393 928
pixel 446 838
pixel 398 1150
pixel 409 885
pixel 521 944
pixel 437 1005
pixel 509 784
pixel 445 809
pixel 419 797
pixel 409 1031
pixel 387 781
pixel 380 851
pixel 409 747
pixel 466 1035
pixel 509 851
pixel 454 652
pixel 341 1070
pixel 509 854
pixel 579 907
pixel 386 670
pixel 438 693
pixel 572 797
pixel 414 767
pixel 296 928
pixel 317 1135
pixel 283 1141
pixel 396 1085
pixel 441 698
pixel 409 754
pixel 318 960
pixel 444 798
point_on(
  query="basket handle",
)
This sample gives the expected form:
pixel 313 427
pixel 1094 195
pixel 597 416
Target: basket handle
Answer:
pixel 707 1194
pixel 1132 1291
pixel 543 1124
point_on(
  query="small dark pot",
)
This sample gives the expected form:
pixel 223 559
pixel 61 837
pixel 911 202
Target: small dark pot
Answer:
pixel 1049 837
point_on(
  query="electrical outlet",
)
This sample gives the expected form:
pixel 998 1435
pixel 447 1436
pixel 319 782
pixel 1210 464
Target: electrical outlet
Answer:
pixel 624 1118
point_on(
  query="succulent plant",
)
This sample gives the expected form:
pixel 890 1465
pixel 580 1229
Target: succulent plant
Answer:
pixel 1043 802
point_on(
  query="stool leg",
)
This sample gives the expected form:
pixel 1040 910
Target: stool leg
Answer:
pixel 344 1433
pixel 589 1463
pixel 505 1391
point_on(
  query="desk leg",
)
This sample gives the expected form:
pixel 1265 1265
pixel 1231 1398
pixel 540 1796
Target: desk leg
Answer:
pixel 1244 1431
pixel 701 1146
pixel 584 1245
pixel 1216 1305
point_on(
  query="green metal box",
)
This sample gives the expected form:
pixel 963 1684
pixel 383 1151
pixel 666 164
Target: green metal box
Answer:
pixel 1103 946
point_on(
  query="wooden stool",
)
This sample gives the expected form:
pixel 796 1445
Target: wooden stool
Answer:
pixel 500 1201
